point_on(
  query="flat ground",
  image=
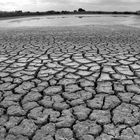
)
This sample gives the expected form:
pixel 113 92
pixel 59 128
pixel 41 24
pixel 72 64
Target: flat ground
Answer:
pixel 74 83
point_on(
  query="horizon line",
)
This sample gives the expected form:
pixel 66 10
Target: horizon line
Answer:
pixel 68 10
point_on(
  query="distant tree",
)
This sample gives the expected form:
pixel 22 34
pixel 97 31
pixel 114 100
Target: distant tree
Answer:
pixel 75 11
pixel 138 12
pixel 65 12
pixel 81 10
pixel 51 12
pixel 18 13
pixel 37 12
pixel 115 12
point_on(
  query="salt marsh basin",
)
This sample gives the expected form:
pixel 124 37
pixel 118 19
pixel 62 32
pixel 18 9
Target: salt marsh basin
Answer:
pixel 71 20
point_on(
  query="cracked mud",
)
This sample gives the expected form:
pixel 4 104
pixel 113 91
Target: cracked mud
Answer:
pixel 70 83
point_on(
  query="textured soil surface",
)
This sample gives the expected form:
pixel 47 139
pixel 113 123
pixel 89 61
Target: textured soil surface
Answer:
pixel 75 83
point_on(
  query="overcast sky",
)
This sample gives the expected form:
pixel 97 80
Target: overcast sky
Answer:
pixel 45 5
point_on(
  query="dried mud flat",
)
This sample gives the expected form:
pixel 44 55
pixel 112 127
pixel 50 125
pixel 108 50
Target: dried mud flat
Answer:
pixel 74 83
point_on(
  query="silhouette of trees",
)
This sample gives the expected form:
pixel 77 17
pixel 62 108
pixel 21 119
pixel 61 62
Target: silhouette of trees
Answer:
pixel 65 12
pixel 52 12
pixel 138 12
pixel 81 10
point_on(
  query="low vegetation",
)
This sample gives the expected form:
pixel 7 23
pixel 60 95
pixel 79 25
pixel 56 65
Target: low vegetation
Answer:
pixel 52 12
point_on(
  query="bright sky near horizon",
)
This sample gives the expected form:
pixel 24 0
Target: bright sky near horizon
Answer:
pixel 45 5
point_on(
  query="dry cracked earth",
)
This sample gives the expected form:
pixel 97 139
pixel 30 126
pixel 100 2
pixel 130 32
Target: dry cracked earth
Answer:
pixel 74 83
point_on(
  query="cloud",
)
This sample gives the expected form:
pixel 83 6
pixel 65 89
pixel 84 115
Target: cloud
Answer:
pixel 44 5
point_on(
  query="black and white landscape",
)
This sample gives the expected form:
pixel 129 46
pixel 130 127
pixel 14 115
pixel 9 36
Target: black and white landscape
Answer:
pixel 72 75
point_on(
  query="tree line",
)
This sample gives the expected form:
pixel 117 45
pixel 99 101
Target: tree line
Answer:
pixel 52 12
